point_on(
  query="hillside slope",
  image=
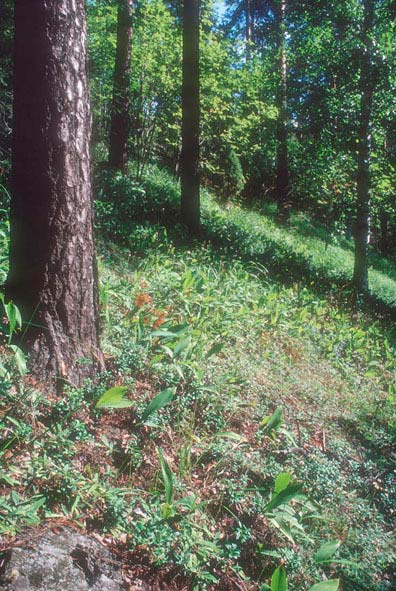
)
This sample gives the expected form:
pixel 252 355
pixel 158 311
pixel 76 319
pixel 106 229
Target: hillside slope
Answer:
pixel 264 380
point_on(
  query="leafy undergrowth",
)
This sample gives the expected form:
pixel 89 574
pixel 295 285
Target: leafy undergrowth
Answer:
pixel 256 423
pixel 301 251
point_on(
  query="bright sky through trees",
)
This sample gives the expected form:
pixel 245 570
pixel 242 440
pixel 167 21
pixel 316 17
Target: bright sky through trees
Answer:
pixel 220 7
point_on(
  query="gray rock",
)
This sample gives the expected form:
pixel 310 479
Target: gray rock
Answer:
pixel 67 561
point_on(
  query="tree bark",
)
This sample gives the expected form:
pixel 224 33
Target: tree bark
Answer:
pixel 282 186
pixel 120 117
pixel 248 29
pixel 189 158
pixel 362 227
pixel 52 274
pixel 384 233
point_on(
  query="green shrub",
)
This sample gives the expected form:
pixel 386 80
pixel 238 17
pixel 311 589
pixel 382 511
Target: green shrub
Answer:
pixel 226 175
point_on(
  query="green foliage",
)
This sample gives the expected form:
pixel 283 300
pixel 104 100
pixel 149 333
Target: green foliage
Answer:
pixel 17 512
pixel 10 316
pixel 121 202
pixel 256 317
pixel 208 320
pixel 332 585
pixel 174 319
pixel 326 551
pixel 284 495
pixel 114 398
pixel 226 174
pixel 159 401
pixel 279 579
pixel 279 582
pixel 272 422
pixel 167 509
pixel 205 292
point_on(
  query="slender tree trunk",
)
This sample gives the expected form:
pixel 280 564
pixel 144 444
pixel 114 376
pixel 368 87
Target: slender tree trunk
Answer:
pixel 189 158
pixel 248 29
pixel 362 228
pixel 120 117
pixel 384 233
pixel 282 187
pixel 52 274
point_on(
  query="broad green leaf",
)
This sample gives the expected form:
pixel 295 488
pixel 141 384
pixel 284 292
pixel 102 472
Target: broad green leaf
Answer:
pixel 327 551
pixel 272 422
pixel 20 359
pixel 181 346
pixel 114 398
pixel 216 348
pixel 230 435
pixel 189 502
pixel 7 479
pixel 188 280
pixel 285 496
pixel 14 317
pixel 279 579
pixel 35 503
pixel 171 332
pixel 15 497
pixel 282 481
pixel 283 529
pixel 331 585
pixel 158 402
pixel 167 478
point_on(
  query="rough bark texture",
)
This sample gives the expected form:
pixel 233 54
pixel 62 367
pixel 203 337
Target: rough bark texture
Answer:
pixel 282 187
pixel 120 119
pixel 52 257
pixel 362 228
pixel 189 158
pixel 384 234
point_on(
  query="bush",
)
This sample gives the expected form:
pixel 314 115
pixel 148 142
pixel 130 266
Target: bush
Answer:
pixel 226 176
pixel 122 201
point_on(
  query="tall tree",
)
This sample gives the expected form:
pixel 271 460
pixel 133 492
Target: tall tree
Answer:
pixel 248 28
pixel 52 274
pixel 189 158
pixel 282 186
pixel 366 85
pixel 119 126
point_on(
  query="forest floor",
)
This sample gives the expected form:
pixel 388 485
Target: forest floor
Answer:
pixel 274 429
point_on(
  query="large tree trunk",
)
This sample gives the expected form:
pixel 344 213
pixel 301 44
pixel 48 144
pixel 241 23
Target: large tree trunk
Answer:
pixel 189 158
pixel 362 228
pixel 120 118
pixel 52 274
pixel 282 186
